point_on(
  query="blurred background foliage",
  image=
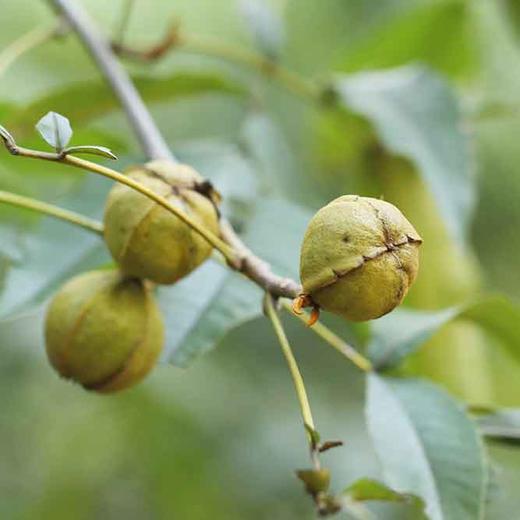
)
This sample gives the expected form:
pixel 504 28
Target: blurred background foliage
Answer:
pixel 220 439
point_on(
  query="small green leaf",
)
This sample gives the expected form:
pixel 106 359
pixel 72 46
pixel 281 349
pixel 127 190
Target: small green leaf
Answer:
pixel 366 489
pixel 55 129
pixel 50 252
pixel 93 150
pixel 427 446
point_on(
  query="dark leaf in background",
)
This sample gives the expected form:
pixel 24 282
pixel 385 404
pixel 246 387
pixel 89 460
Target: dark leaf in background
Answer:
pixel 427 446
pixel 408 38
pixel 416 115
pixel 44 256
pixel 72 100
pixel 201 309
pixel 401 332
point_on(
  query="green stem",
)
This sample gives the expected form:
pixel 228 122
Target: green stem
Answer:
pixel 24 44
pixel 333 339
pixel 83 164
pixel 291 362
pixel 264 66
pixel 128 7
pixel 51 210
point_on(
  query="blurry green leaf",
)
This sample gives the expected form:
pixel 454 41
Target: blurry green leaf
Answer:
pixel 201 309
pixel 366 490
pixel 513 9
pixel 267 146
pixel 230 171
pixel 400 333
pixel 55 129
pixel 97 99
pixel 427 446
pixel 50 252
pixel 265 26
pixel 436 34
pixel 417 116
pixel 503 425
pixel 102 151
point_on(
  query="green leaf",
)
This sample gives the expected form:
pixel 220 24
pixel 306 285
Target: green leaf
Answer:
pixel 367 489
pixel 55 129
pixel 87 101
pixel 230 171
pixel 427 446
pixel 265 25
pixel 502 424
pixel 42 257
pixel 102 151
pixel 52 253
pixel 400 333
pixel 416 115
pixel 409 38
pixel 403 331
pixel 203 308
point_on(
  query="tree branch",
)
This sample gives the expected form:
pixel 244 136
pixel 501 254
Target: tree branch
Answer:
pixel 140 119
pixel 155 147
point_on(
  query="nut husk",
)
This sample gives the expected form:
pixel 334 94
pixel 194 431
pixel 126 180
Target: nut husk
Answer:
pixel 145 239
pixel 104 331
pixel 359 257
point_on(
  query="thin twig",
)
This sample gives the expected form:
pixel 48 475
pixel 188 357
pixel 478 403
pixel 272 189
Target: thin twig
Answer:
pixel 297 378
pixel 154 145
pixel 332 339
pixel 140 119
pixel 27 42
pixel 83 164
pixel 257 269
pixel 51 210
pixel 128 6
pixel 175 39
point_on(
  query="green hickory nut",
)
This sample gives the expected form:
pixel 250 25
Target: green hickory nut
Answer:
pixel 148 241
pixel 359 257
pixel 104 331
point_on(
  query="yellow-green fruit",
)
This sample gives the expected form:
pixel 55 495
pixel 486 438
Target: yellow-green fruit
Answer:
pixel 145 239
pixel 104 331
pixel 359 257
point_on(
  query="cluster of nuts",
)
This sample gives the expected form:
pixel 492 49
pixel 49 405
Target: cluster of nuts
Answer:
pixel 104 330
